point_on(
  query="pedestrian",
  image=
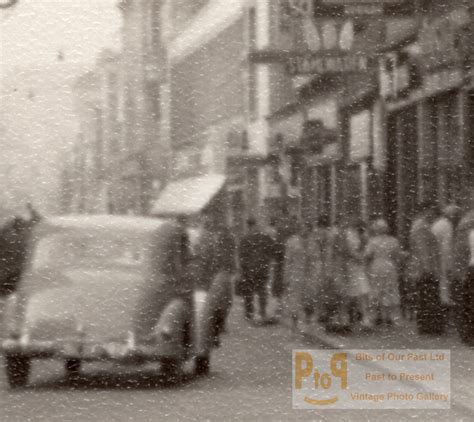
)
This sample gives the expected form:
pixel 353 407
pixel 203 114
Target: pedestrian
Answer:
pixel 443 229
pixel 272 229
pixel 294 275
pixel 358 287
pixel 316 250
pixel 14 237
pixel 217 256
pixel 334 295
pixel 407 287
pixel 463 278
pixel 425 267
pixel 383 253
pixel 256 252
pixel 283 232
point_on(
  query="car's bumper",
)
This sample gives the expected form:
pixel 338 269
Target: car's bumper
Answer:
pixel 93 352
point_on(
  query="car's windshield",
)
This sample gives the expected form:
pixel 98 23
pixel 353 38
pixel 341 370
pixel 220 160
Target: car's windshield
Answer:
pixel 72 249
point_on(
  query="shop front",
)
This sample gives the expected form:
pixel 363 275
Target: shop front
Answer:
pixel 360 116
pixel 283 169
pixel 445 106
pixel 424 106
pixel 322 153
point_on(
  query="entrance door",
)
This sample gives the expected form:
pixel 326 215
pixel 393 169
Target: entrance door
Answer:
pixel 470 137
pixel 407 179
pixel 401 182
pixel 391 175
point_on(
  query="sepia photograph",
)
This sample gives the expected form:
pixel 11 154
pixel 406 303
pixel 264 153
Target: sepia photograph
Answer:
pixel 236 210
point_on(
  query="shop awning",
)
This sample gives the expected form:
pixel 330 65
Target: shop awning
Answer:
pixel 188 196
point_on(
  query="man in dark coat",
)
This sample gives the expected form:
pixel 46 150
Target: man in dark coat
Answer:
pixel 217 266
pixel 14 239
pixel 283 232
pixel 256 252
pixel 463 276
pixel 426 270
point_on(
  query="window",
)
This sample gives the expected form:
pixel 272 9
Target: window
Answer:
pixel 470 140
pixel 294 171
pixel 253 92
pixel 69 250
pixel 252 28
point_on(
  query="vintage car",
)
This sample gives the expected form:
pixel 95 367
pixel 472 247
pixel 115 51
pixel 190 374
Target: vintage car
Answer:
pixel 98 288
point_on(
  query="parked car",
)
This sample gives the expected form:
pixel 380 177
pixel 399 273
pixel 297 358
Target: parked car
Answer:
pixel 106 288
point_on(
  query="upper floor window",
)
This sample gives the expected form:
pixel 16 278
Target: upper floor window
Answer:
pixel 252 28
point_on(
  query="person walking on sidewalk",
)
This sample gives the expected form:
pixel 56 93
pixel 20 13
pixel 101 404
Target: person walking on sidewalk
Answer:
pixel 217 257
pixel 334 295
pixel 425 263
pixel 316 250
pixel 283 232
pixel 443 229
pixel 463 276
pixel 256 252
pixel 383 253
pixel 294 275
pixel 358 283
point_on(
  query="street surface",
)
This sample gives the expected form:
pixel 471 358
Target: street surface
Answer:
pixel 250 380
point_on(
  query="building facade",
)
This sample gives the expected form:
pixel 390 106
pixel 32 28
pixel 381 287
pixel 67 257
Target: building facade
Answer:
pixel 218 100
pixel 401 128
pixel 212 87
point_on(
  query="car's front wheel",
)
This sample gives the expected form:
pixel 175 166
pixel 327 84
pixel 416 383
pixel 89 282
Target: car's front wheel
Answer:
pixel 17 368
pixel 202 365
pixel 170 369
pixel 72 367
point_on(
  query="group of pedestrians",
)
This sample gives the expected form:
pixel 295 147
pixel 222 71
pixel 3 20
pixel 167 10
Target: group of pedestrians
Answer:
pixel 348 275
pixel 441 267
pixel 342 275
pixel 356 274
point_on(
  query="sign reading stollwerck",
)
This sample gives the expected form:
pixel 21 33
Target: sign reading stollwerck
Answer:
pixel 315 63
pixel 371 379
pixel 328 36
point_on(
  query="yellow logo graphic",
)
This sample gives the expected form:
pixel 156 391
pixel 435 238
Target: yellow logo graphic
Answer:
pixel 304 369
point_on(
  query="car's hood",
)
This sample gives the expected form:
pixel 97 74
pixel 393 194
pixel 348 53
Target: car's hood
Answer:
pixel 100 303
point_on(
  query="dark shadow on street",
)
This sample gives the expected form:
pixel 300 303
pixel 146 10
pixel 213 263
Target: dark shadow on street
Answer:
pixel 103 380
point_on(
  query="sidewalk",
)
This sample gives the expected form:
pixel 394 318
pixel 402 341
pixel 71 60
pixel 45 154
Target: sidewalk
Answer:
pixel 401 336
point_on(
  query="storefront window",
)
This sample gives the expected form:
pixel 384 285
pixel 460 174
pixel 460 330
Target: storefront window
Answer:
pixel 401 177
pixel 294 171
pixel 444 148
pixel 324 190
pixel 470 135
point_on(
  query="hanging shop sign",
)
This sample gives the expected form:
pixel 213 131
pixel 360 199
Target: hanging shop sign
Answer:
pixel 397 77
pixel 316 136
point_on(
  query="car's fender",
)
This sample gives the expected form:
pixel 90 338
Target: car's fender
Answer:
pixel 11 320
pixel 207 304
pixel 170 330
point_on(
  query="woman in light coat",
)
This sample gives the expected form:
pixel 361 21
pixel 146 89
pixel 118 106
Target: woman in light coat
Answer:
pixel 294 276
pixel 358 288
pixel 384 255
